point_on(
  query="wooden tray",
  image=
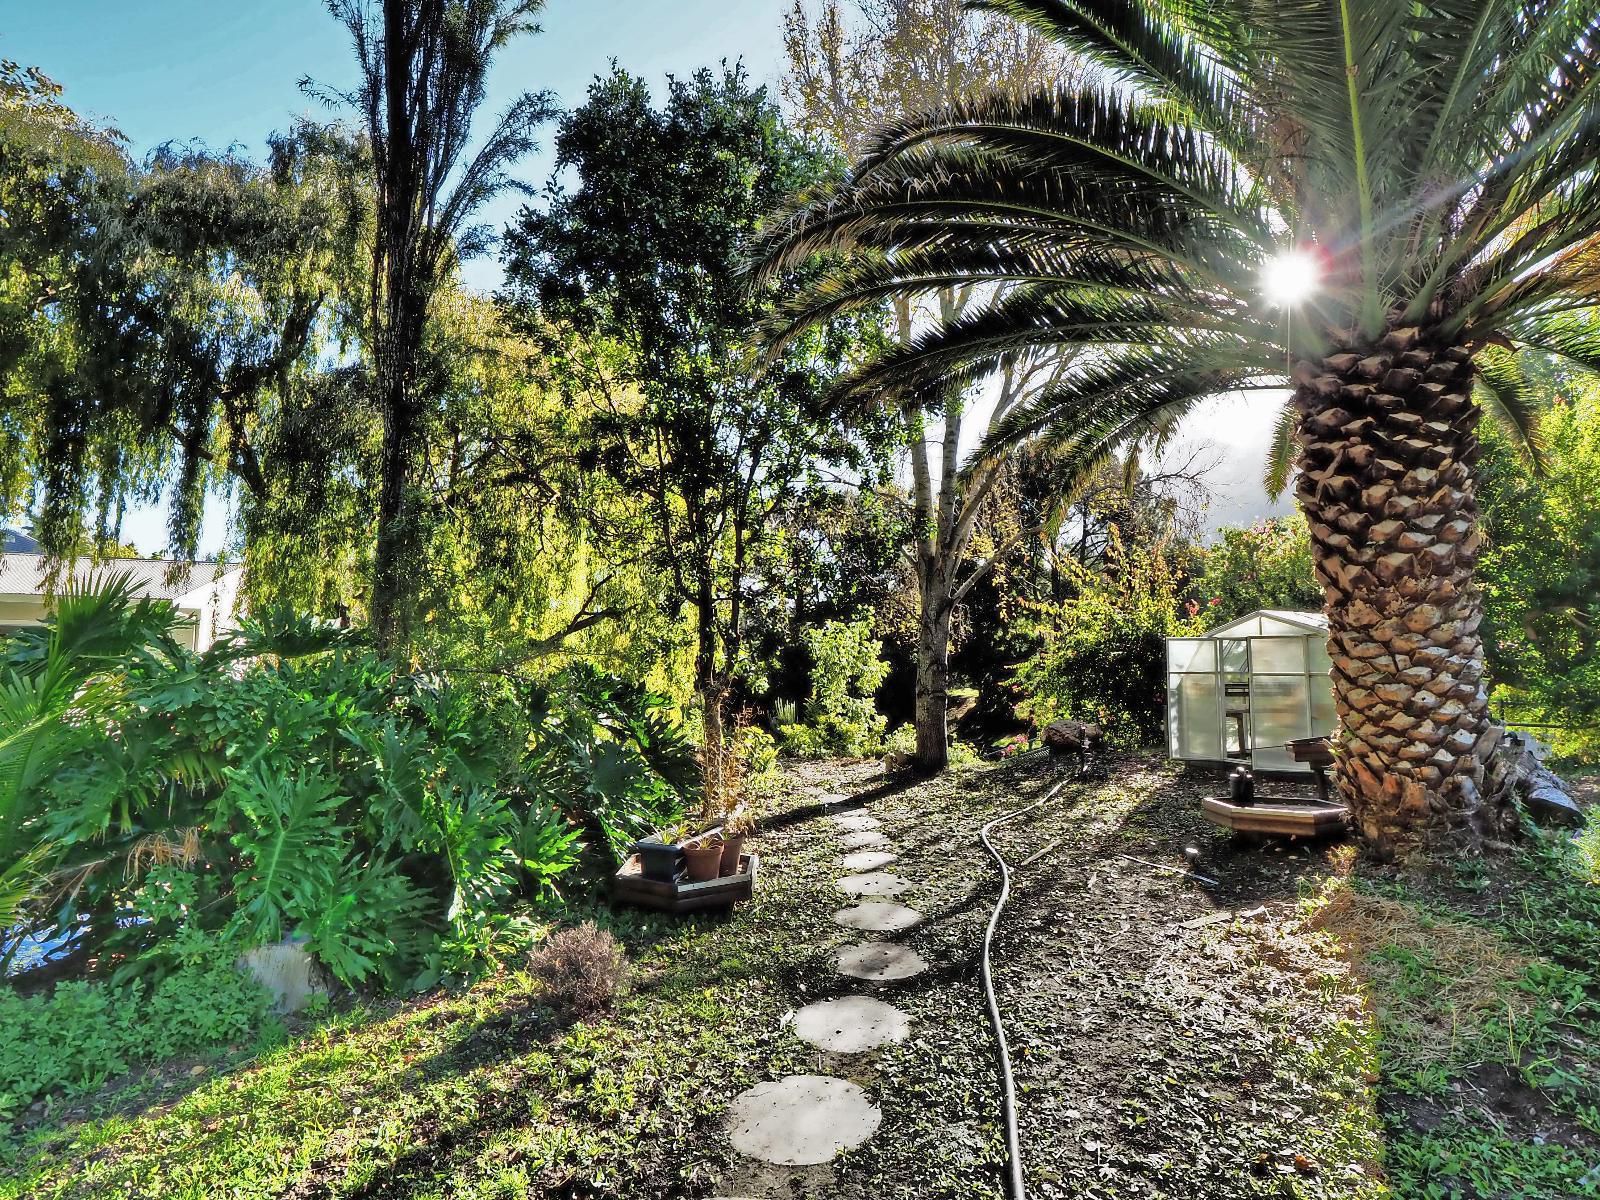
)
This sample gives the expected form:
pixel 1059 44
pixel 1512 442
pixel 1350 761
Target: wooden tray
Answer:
pixel 1271 816
pixel 629 886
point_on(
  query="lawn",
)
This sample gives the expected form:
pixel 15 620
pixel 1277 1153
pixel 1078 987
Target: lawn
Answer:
pixel 1310 1027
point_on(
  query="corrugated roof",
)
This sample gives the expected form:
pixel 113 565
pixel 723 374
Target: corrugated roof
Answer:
pixel 26 574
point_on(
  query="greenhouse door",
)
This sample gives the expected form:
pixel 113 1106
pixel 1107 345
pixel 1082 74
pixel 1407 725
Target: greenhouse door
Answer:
pixel 1235 670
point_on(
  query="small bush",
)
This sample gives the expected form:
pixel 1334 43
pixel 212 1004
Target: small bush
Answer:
pixel 74 1039
pixel 758 749
pixel 1103 654
pixel 582 969
pixel 802 741
pixel 847 666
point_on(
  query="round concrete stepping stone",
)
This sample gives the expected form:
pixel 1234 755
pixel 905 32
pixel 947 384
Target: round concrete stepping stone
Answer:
pixel 802 1120
pixel 877 916
pixel 880 962
pixel 863 839
pixel 832 798
pixel 867 860
pixel 855 822
pixel 875 883
pixel 851 1025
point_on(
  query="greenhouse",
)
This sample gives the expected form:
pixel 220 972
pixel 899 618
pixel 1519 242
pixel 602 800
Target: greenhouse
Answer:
pixel 1240 692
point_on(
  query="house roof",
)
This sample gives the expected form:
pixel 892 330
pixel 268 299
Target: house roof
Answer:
pixel 28 575
pixel 1265 622
pixel 13 542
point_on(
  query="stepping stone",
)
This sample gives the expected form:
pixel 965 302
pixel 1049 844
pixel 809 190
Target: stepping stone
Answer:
pixel 856 822
pixel 802 1120
pixel 863 839
pixel 851 1025
pixel 832 798
pixel 867 860
pixel 880 962
pixel 876 916
pixel 875 883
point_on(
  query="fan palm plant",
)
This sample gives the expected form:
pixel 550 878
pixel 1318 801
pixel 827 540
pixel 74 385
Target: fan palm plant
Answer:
pixel 1426 171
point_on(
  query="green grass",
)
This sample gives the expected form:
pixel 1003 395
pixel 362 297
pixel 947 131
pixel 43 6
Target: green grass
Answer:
pixel 474 1094
pixel 1486 1016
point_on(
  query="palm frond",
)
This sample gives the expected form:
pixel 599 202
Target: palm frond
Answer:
pixel 1504 392
pixel 1280 452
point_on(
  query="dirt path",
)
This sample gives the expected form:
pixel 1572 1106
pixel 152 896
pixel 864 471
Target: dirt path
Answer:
pixel 1159 1041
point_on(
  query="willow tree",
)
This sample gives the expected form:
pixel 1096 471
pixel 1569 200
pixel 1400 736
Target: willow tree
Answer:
pixel 1424 175
pixel 148 314
pixel 424 67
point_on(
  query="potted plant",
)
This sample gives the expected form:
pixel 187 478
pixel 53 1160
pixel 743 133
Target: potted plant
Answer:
pixel 735 829
pixel 703 858
pixel 659 858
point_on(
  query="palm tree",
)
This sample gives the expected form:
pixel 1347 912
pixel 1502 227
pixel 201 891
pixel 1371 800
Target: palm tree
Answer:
pixel 1429 168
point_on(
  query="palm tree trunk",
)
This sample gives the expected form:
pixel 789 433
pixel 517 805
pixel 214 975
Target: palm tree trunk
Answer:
pixel 1388 444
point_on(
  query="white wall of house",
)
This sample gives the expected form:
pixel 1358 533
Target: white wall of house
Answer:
pixel 206 610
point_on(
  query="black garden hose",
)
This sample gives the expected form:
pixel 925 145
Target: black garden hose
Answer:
pixel 1008 1099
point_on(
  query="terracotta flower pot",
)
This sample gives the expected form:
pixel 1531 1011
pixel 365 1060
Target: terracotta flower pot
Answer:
pixel 732 848
pixel 703 861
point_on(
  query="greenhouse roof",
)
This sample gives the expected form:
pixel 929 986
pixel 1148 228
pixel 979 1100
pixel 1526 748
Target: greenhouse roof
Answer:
pixel 1265 622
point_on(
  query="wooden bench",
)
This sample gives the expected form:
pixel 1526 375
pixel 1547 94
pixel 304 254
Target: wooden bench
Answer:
pixel 630 886
pixel 1282 817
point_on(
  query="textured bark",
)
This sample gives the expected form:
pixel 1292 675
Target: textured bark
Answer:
pixel 933 684
pixel 1388 444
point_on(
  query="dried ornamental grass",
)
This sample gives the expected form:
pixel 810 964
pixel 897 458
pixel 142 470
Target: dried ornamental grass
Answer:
pixel 582 969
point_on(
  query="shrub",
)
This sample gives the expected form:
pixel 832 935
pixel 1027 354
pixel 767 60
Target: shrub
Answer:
pixel 758 749
pixel 581 969
pixel 847 667
pixel 305 788
pixel 1102 656
pixel 802 741
pixel 81 1034
pixel 1265 565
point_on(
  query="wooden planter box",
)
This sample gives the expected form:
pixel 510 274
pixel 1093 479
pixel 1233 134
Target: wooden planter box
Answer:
pixel 1276 816
pixel 629 886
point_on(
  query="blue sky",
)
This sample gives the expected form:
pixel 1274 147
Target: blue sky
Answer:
pixel 227 72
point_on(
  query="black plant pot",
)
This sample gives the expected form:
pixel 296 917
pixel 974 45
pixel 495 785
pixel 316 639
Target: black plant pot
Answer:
pixel 1242 787
pixel 658 860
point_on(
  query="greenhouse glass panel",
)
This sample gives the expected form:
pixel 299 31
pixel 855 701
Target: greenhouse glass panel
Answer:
pixel 1191 654
pixel 1317 659
pixel 1278 656
pixel 1278 706
pixel 1324 717
pixel 1235 655
pixel 1196 730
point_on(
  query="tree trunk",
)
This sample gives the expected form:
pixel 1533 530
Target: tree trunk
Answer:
pixel 710 688
pixel 933 683
pixel 394 549
pixel 1388 444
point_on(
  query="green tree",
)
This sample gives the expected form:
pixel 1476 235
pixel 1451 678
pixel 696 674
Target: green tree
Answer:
pixel 424 68
pixel 1102 654
pixel 1429 171
pixel 149 314
pixel 640 257
pixel 850 69
pixel 1541 571
pixel 1265 565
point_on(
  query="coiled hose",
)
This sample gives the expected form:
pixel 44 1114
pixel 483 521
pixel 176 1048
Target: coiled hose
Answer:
pixel 1018 1187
